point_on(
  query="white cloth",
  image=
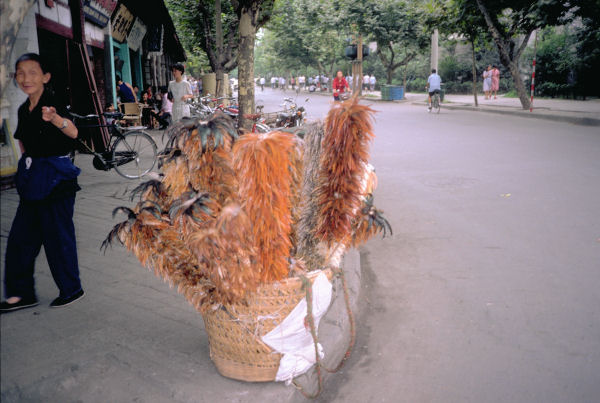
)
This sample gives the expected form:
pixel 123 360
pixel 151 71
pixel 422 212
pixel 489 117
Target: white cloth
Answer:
pixel 180 108
pixel 294 340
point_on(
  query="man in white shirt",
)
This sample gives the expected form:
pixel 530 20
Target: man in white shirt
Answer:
pixel 366 82
pixel 434 84
pixel 372 81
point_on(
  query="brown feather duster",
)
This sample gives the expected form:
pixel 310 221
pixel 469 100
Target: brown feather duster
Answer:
pixel 348 132
pixel 266 167
pixel 227 252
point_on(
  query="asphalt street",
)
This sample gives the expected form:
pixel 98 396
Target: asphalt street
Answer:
pixel 486 292
pixel 488 289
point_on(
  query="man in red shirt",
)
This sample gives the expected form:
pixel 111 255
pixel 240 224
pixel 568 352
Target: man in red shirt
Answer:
pixel 339 85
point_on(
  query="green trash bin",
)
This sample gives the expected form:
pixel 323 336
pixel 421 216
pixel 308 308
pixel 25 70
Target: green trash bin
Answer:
pixel 385 93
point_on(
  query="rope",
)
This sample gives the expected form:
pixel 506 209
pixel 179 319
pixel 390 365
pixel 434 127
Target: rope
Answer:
pixel 306 284
pixel 340 273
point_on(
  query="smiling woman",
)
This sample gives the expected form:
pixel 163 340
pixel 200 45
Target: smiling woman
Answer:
pixel 46 181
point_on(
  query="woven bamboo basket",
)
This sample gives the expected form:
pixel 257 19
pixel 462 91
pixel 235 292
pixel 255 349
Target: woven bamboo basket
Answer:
pixel 235 331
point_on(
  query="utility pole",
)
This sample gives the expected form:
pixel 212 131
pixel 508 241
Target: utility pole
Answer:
pixel 434 50
pixel 357 68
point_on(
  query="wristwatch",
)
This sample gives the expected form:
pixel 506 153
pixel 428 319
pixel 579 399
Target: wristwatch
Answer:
pixel 65 124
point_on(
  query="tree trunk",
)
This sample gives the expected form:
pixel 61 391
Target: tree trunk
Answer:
pixel 390 74
pixel 246 67
pixel 12 14
pixel 474 73
pixel 219 71
pixel 503 51
pixel 513 67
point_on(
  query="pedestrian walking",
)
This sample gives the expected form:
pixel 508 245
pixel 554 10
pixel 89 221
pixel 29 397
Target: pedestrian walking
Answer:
pixel 372 82
pixel 366 82
pixel 282 83
pixel 262 83
pixel 495 81
pixel 487 82
pixel 182 91
pixel 46 181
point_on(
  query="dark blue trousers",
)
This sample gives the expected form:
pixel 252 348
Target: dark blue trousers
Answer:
pixel 48 223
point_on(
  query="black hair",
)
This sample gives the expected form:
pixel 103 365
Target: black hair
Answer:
pixel 118 78
pixel 36 58
pixel 178 66
pixel 433 70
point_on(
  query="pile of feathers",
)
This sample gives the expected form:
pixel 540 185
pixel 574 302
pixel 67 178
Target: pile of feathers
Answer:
pixel 230 212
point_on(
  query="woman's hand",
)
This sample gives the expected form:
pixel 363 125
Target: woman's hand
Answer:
pixel 48 113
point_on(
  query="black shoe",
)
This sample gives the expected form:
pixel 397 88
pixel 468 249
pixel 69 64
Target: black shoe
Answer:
pixel 23 303
pixel 61 301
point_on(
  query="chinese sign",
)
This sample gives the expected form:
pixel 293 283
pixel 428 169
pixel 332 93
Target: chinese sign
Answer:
pixel 122 22
pixel 98 11
pixel 134 40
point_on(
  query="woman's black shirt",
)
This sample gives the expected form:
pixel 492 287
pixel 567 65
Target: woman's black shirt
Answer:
pixel 41 138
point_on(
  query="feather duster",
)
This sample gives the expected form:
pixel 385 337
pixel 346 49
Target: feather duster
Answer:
pixel 159 246
pixel 309 207
pixel 369 222
pixel 227 252
pixel 266 166
pixel 348 132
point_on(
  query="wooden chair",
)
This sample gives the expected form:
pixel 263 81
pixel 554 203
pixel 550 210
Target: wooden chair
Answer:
pixel 132 112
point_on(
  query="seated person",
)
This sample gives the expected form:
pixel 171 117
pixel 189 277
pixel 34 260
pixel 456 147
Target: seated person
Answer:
pixel 164 116
pixel 147 110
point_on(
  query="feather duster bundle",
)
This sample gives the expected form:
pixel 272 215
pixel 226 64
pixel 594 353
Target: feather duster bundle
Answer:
pixel 226 251
pixel 348 132
pixel 266 166
pixel 309 207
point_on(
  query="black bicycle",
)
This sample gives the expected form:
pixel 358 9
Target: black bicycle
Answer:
pixel 131 152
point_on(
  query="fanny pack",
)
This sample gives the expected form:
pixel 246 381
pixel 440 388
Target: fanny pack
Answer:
pixel 37 176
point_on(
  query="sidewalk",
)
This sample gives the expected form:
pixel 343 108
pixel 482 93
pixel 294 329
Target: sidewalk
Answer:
pixel 585 113
pixel 578 112
pixel 132 338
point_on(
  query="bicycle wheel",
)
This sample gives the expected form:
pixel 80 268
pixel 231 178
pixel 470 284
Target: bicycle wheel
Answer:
pixel 436 103
pixel 134 154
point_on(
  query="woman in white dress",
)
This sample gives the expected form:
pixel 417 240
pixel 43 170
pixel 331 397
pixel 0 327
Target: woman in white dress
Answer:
pixel 487 82
pixel 182 91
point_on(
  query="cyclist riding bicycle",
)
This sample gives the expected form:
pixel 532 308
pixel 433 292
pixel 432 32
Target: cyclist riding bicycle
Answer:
pixel 434 85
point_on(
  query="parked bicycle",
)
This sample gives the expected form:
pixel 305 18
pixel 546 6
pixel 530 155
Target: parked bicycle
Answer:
pixel 131 152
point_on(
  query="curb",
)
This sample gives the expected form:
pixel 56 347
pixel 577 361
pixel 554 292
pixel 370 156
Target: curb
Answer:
pixel 556 116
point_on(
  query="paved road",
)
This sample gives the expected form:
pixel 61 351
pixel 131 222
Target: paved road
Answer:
pixel 487 292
